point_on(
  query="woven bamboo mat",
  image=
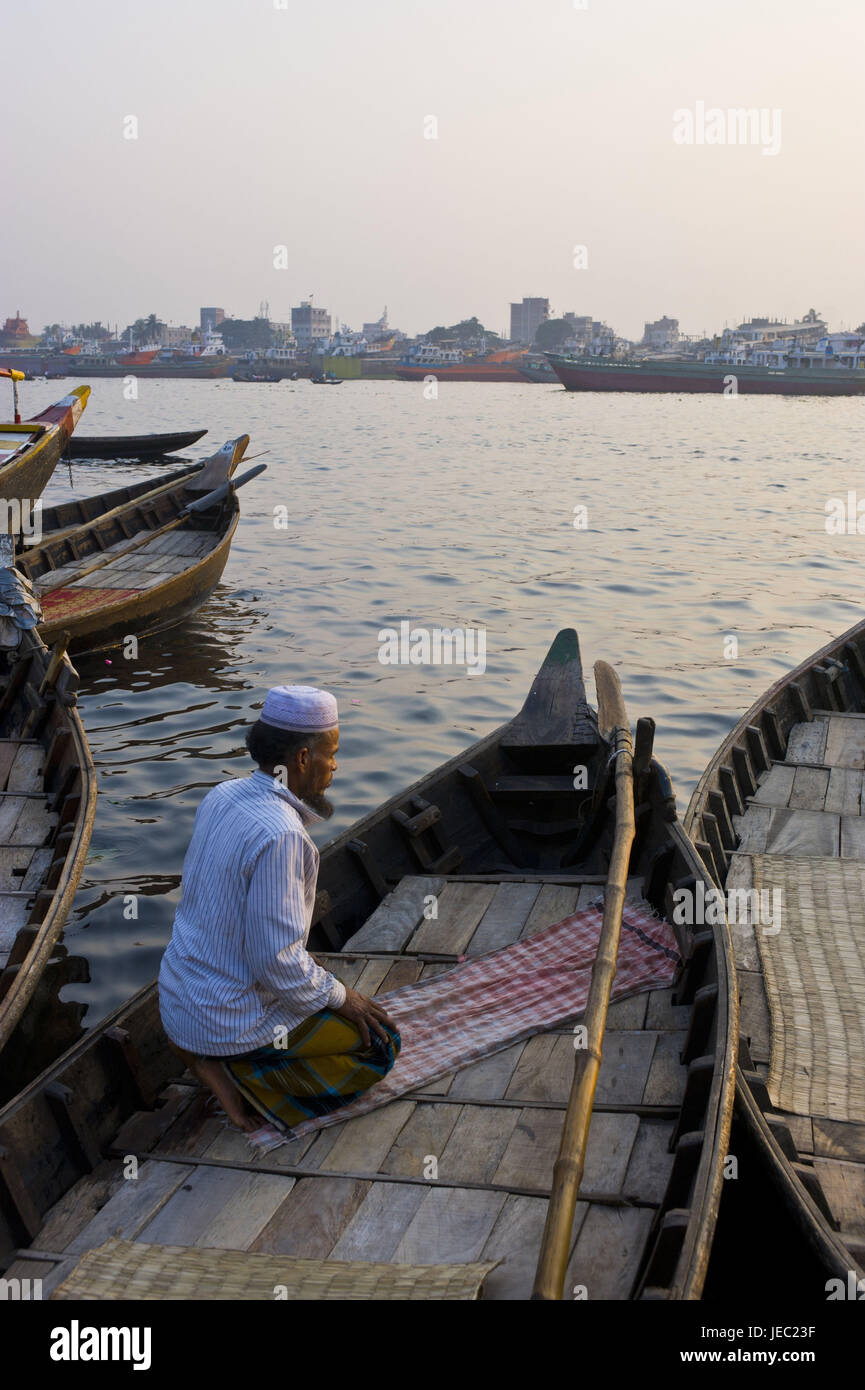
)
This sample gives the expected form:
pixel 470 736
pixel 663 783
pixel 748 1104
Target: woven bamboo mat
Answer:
pixel 127 1269
pixel 814 969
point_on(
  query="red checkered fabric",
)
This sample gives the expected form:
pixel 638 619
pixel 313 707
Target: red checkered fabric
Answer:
pixel 488 1003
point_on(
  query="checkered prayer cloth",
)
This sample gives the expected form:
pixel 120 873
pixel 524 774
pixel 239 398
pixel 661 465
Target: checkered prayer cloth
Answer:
pixel 488 1003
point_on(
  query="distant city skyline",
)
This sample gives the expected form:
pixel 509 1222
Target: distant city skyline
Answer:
pixel 625 161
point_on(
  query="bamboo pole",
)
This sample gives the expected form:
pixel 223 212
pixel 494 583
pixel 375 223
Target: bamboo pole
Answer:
pixel 568 1170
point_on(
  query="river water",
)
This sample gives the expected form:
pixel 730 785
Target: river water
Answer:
pixel 703 571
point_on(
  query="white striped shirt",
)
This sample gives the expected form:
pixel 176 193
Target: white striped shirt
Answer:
pixel 236 969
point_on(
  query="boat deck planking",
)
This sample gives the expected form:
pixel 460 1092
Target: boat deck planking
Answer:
pixel 789 783
pixel 357 1190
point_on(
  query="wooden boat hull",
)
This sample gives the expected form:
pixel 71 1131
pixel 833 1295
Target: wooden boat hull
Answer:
pixel 113 601
pixel 502 812
pixel 832 680
pixel 68 781
pixel 100 619
pixel 24 476
pixel 130 446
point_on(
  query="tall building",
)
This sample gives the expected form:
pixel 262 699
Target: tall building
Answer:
pixel 210 319
pixel 309 324
pixel 526 319
pixel 663 333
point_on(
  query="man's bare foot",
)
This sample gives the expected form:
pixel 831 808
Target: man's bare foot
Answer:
pixel 212 1075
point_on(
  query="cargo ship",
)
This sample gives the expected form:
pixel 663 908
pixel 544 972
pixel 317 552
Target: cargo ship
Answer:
pixel 452 364
pixel 804 373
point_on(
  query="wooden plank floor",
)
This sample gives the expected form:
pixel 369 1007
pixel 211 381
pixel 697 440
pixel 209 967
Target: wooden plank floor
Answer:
pixel 144 568
pixel 26 823
pixel 810 806
pixel 458 1172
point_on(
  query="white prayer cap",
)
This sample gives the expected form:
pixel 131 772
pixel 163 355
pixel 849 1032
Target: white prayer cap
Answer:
pixel 302 709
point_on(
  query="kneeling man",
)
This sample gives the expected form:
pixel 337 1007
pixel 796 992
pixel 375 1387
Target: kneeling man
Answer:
pixel 275 1036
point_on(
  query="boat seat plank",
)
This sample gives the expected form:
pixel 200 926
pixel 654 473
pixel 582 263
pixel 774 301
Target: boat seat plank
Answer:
pixel 843 1185
pixel 14 914
pixel 651 1160
pixel 34 824
pixel 554 902
pixel 365 1141
pixel 110 578
pixel 10 809
pixel 755 1019
pixel 487 1079
pixel 402 972
pixel 312 1218
pixel 844 793
pixel 627 1013
pixel 662 1014
pixel 14 863
pixel 515 1240
pixel 810 785
pixel 26 772
pixel 775 786
pixel 845 743
pixel 132 1206
pixel 801 1130
pixel 533 1146
pixel 777 830
pixel 8 751
pixel 460 908
pixel 477 1142
pixel 839 1139
pixel 425 1134
pixel 212 1206
pixel 380 1222
pixel 807 742
pixel 397 916
pixel 852 837
pixel 666 1080
pixel 607 1255
pixel 505 917
pixel 452 1225
pixel 740 879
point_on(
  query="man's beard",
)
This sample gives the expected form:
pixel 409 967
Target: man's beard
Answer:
pixel 318 802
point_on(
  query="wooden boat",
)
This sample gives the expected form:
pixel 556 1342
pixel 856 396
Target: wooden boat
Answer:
pixel 47 806
pixel 130 446
pixel 780 813
pixel 506 840
pixel 80 511
pixel 29 451
pixel 326 380
pixel 105 580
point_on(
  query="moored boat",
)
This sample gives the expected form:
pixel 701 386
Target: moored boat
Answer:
pixel 130 446
pixel 123 573
pixel 779 819
pixel 47 797
pixel 664 375
pixel 29 450
pixel 506 842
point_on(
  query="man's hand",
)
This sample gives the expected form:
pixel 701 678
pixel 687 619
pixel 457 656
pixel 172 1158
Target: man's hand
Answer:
pixel 365 1014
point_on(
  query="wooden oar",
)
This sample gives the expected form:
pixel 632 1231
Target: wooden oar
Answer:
pixel 568 1170
pixel 202 504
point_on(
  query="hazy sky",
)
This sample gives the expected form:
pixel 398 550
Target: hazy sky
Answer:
pixel 304 126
